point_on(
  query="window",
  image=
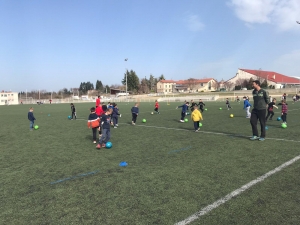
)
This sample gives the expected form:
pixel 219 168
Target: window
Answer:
pixel 5 95
pixel 2 100
pixel 169 90
pixel 1 95
pixel 12 94
pixel 159 86
pixel 166 86
pixel 169 86
pixel 201 84
pixel 8 94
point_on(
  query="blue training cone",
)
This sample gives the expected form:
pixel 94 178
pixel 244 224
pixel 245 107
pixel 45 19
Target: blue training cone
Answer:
pixel 123 164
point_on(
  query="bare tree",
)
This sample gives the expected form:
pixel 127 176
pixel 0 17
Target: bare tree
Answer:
pixel 228 85
pixel 240 82
pixel 216 85
pixel 191 83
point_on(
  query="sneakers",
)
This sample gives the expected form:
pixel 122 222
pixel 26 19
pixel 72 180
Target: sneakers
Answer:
pixel 261 139
pixel 196 130
pixel 254 138
pixel 115 127
pixel 182 121
pixel 103 145
pixel 98 146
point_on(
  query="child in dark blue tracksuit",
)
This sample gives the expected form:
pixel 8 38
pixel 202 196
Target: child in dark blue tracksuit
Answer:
pixel 115 114
pixel 135 112
pixel 105 123
pixel 183 111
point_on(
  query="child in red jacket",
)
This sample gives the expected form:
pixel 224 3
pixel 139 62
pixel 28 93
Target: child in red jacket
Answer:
pixel 156 107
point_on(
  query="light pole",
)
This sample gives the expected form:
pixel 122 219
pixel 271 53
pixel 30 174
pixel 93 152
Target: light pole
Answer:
pixel 126 77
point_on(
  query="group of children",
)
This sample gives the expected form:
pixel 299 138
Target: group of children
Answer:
pixel 196 115
pixel 101 118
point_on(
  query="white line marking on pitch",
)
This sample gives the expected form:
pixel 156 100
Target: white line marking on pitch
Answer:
pixel 235 193
pixel 209 132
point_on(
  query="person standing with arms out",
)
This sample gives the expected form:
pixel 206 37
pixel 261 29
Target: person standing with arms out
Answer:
pixel 261 100
pixel 98 101
pixel 156 107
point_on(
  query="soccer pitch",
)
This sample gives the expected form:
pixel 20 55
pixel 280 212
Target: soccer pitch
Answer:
pixel 55 175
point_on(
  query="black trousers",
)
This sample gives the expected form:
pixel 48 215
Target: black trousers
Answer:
pixel 261 116
pixel 182 115
pixel 94 130
pixel 196 125
pixel 283 117
pixel 73 115
pixel 270 113
pixel 134 116
pixel 201 109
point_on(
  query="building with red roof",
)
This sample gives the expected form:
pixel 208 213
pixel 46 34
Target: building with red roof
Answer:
pixel 273 78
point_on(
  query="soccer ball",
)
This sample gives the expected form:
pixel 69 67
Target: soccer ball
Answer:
pixel 36 127
pixel 283 125
pixel 108 145
pixel 144 120
pixel 231 115
pixel 205 109
pixel 220 108
pixel 278 118
pixel 152 113
pixel 69 117
pixel 186 120
pixel 266 128
pixel 200 124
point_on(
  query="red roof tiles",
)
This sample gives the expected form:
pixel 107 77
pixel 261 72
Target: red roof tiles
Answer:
pixel 273 76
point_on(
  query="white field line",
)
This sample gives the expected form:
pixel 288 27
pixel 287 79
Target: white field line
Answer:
pixel 236 192
pixel 209 132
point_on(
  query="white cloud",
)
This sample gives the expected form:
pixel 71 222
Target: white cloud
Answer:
pixel 281 13
pixel 193 23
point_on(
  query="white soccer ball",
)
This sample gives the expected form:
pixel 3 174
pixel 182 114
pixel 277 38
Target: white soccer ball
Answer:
pixel 152 113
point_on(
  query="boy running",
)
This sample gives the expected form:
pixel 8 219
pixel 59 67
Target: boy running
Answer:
pixel 73 110
pixel 270 109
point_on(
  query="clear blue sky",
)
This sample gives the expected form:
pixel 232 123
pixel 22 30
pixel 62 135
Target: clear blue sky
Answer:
pixel 60 43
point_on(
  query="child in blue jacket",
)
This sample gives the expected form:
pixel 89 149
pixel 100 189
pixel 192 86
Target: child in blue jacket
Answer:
pixel 247 106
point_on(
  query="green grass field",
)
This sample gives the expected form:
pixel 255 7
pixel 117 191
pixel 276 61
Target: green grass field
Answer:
pixel 172 171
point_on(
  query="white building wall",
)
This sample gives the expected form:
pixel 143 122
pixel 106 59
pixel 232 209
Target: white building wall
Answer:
pixel 245 75
pixel 9 98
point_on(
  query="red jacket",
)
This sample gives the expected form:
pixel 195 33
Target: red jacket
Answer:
pixel 99 111
pixel 156 105
pixel 98 101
